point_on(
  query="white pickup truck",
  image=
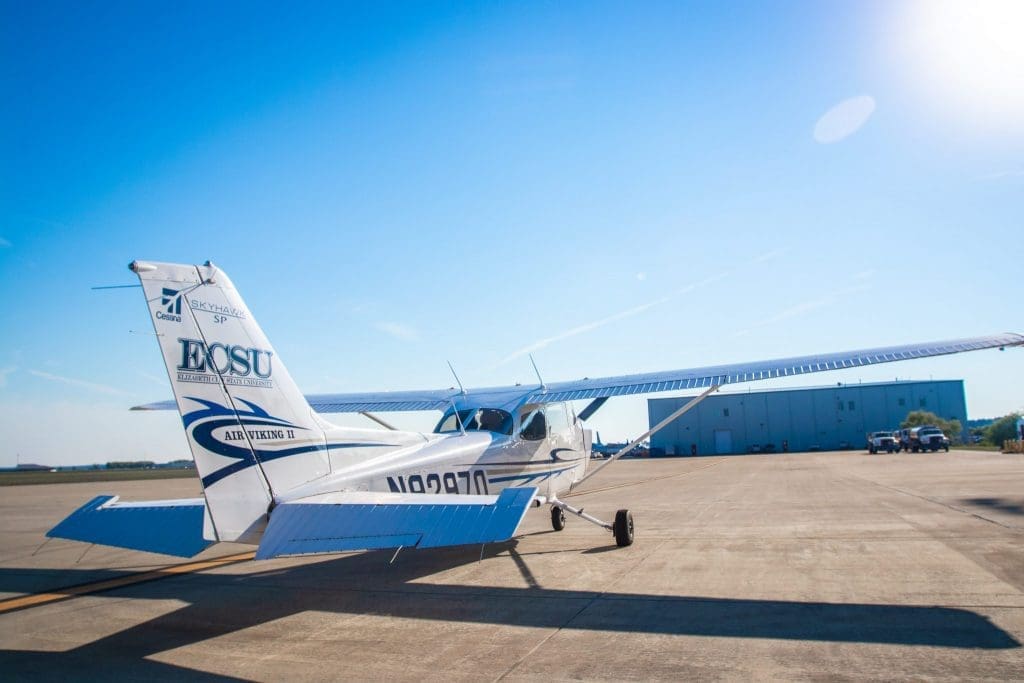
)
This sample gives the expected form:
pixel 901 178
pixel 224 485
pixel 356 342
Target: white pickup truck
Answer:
pixel 926 438
pixel 881 441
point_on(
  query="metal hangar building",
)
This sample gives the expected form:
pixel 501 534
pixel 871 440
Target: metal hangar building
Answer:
pixel 804 419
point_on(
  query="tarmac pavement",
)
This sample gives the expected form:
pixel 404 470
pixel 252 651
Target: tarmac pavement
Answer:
pixel 787 566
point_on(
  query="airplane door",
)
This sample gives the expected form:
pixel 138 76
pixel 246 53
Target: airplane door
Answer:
pixel 559 431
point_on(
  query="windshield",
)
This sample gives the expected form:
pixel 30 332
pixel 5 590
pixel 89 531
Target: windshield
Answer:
pixel 476 420
pixel 929 432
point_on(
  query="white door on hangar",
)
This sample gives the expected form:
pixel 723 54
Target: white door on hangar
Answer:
pixel 723 441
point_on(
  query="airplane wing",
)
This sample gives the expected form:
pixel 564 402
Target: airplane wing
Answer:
pixel 172 527
pixel 335 522
pixel 648 383
pixel 698 378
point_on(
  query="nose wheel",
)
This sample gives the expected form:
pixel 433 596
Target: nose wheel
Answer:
pixel 622 529
pixel 557 518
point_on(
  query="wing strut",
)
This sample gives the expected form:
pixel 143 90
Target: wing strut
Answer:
pixel 692 403
pixel 379 421
pixel 592 408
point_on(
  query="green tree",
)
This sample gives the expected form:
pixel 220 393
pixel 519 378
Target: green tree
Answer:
pixel 1001 430
pixel 917 418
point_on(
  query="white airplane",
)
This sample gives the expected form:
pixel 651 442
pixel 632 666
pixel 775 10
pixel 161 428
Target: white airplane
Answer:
pixel 277 475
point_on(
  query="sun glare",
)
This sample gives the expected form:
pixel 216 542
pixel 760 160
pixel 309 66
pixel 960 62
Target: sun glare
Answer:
pixel 968 56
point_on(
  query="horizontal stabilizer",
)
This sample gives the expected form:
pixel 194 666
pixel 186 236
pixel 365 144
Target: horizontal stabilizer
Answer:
pixel 363 521
pixel 171 527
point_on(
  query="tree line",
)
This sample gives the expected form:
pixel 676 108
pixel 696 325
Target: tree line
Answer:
pixel 1003 429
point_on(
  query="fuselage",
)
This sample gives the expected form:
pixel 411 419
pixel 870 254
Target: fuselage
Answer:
pixel 476 450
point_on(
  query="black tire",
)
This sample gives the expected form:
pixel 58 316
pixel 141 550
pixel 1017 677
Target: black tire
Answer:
pixel 947 449
pixel 557 518
pixel 623 528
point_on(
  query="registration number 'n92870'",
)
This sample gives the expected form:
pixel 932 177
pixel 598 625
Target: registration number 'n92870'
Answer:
pixel 464 481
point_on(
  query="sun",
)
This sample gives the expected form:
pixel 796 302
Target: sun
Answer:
pixel 967 56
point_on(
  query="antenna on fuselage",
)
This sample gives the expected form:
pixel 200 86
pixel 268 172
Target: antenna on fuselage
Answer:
pixel 462 389
pixel 543 387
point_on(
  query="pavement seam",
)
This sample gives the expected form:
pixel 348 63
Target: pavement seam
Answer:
pixel 581 610
pixel 643 481
pixel 994 572
pixel 939 502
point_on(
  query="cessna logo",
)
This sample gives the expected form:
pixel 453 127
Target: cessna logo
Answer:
pixel 170 303
pixel 231 363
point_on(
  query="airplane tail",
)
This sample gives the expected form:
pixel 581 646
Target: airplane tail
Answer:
pixel 255 439
pixel 251 431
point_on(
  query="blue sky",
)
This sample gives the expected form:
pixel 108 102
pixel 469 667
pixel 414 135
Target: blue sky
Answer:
pixel 617 187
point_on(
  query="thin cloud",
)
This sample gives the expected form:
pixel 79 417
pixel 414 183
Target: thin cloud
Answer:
pixel 92 386
pixel 636 310
pixel 641 276
pixel 770 255
pixel 3 375
pixel 1000 175
pixel 4 244
pixel 806 307
pixel 541 343
pixel 398 331
pixel 798 310
pixel 621 315
pixel 162 381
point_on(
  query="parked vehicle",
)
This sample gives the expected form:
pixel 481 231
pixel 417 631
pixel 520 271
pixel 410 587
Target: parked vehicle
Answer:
pixel 923 438
pixel 881 441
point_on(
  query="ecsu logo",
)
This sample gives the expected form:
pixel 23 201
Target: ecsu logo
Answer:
pixel 231 363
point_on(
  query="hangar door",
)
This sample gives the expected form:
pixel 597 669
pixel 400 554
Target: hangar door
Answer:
pixel 723 441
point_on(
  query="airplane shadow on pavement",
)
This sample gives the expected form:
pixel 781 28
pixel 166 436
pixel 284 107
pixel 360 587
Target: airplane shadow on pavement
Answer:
pixel 365 584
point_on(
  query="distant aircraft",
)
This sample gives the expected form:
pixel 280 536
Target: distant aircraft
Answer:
pixel 277 475
pixel 598 449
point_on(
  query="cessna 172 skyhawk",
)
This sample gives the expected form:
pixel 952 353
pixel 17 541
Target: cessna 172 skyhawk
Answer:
pixel 276 474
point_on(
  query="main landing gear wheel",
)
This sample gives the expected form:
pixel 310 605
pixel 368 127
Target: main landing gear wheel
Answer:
pixel 623 528
pixel 557 518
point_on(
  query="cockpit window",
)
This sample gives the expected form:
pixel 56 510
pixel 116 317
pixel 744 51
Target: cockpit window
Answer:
pixel 535 427
pixel 476 420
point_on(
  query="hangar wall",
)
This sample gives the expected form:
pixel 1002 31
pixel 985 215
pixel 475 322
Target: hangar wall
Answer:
pixel 816 418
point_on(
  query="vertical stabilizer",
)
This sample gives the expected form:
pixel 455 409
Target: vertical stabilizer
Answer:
pixel 251 431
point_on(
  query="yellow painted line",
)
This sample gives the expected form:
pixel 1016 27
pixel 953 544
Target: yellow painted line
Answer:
pixel 37 599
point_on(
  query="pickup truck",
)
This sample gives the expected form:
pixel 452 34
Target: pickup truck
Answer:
pixel 923 438
pixel 881 441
